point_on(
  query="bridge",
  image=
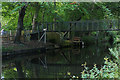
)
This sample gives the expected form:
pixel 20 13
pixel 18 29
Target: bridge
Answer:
pixel 83 25
pixel 75 26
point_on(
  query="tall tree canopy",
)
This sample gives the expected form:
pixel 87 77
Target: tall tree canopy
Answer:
pixel 64 11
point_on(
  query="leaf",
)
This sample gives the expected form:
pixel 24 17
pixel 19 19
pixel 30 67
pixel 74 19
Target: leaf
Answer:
pixel 18 7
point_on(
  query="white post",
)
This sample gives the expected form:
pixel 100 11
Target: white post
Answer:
pixel 10 33
pixel 44 36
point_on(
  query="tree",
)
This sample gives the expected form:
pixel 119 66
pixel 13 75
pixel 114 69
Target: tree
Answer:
pixel 63 11
pixel 20 24
pixel 34 24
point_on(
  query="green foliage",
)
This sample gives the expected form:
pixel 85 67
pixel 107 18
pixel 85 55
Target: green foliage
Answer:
pixel 108 70
pixel 18 7
pixel 66 43
pixel 88 40
pixel 107 11
pixel 53 37
pixel 7 49
pixel 10 73
pixel 114 52
pixel 9 21
pixel 114 35
pixel 61 11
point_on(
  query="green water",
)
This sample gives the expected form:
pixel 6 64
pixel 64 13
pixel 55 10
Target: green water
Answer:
pixel 60 63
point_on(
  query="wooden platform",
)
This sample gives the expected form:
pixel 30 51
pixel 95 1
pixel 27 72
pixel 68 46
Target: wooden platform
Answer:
pixel 77 41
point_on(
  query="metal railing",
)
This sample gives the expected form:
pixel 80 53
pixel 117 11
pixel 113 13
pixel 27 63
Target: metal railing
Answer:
pixel 83 25
pixel 43 36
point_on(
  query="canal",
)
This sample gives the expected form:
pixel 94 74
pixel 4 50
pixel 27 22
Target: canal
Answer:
pixel 58 63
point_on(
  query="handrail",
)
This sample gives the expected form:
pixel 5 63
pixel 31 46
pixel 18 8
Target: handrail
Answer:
pixel 83 25
pixel 44 35
pixel 82 21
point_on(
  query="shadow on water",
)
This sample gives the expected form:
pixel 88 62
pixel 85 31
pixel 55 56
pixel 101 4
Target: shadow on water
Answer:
pixel 59 63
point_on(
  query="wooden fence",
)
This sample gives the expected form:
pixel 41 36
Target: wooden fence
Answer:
pixel 10 35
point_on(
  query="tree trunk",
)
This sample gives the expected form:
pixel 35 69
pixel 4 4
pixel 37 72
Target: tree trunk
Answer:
pixel 54 19
pixel 34 24
pixel 20 24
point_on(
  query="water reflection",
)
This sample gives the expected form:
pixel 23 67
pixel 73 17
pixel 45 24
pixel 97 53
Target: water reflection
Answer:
pixel 60 63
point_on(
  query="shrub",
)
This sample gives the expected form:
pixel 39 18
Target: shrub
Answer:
pixel 53 37
pixel 88 40
pixel 110 69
